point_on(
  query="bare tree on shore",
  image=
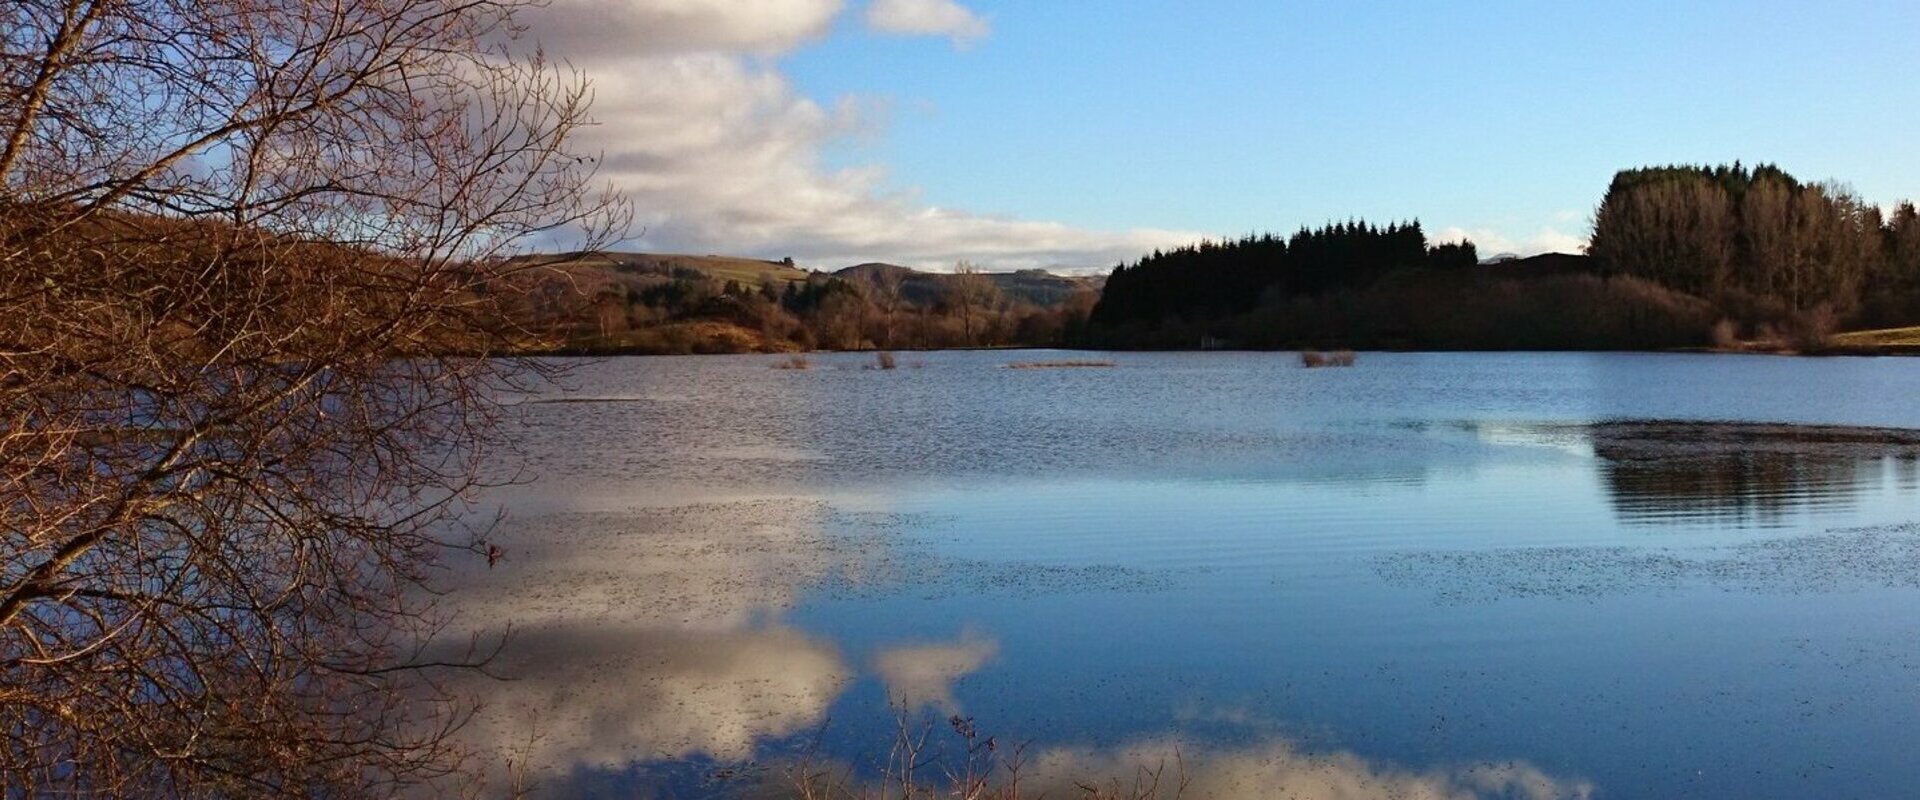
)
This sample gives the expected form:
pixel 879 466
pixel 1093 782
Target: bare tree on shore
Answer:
pixel 889 293
pixel 252 258
pixel 971 294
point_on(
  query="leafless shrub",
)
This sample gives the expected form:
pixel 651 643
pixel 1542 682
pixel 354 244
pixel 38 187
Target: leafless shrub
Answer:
pixel 1339 358
pixel 1812 329
pixel 1726 335
pixel 252 261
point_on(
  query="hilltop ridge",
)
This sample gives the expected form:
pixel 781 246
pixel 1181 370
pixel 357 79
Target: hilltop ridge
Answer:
pixel 635 302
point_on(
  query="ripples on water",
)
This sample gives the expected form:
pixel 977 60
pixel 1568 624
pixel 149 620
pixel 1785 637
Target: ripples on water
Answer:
pixel 1431 575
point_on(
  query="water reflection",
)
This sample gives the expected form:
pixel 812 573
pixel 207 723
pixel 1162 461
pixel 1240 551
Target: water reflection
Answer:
pixel 1169 767
pixel 919 675
pixel 652 634
pixel 621 694
pixel 1742 474
pixel 1105 560
pixel 1278 768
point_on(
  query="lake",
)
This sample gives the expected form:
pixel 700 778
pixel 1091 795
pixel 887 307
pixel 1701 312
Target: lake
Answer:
pixel 1436 575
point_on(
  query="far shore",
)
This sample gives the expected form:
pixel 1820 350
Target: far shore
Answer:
pixel 1838 348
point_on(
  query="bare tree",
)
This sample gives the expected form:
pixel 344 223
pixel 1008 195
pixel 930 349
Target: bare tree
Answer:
pixel 970 293
pixel 1901 260
pixel 251 268
pixel 889 292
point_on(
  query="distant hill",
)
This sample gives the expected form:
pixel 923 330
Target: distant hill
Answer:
pixel 1539 266
pixel 1034 286
pixel 640 270
pixel 1043 288
pixel 748 271
pixel 606 302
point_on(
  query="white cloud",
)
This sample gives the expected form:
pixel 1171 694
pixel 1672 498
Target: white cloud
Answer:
pixel 720 153
pixel 1492 242
pixel 927 18
pixel 589 31
pixel 923 675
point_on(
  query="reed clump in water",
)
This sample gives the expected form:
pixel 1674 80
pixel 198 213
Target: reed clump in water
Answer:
pixel 795 361
pixel 1338 358
pixel 884 360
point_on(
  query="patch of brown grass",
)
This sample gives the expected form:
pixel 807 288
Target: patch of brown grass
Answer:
pixel 1884 337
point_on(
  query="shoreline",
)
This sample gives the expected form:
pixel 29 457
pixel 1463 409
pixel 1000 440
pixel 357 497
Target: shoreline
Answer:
pixel 1831 351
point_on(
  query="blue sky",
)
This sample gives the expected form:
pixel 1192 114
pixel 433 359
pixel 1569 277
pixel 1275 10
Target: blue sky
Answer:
pixel 1064 122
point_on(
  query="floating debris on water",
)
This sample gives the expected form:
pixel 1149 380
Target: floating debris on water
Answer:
pixel 1839 560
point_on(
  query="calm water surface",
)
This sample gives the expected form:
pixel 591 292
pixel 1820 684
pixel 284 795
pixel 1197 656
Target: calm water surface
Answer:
pixel 1530 575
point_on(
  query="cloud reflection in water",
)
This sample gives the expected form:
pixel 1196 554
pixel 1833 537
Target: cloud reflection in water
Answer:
pixel 1168 767
pixel 652 634
pixel 1279 768
pixel 920 675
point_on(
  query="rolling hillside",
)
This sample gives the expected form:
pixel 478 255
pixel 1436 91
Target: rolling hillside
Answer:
pixel 656 302
pixel 1032 286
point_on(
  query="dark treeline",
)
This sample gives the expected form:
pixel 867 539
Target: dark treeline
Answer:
pixel 1681 256
pixel 1212 280
pixel 1765 248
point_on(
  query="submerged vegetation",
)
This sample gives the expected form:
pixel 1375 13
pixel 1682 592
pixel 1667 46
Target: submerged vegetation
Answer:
pixel 1068 364
pixel 1315 358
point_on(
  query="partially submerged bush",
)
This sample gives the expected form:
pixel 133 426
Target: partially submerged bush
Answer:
pixel 1726 335
pixel 1338 358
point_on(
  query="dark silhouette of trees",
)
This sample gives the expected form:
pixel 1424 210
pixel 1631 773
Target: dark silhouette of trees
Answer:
pixel 1680 255
pixel 1213 281
pixel 1453 255
pixel 1711 231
